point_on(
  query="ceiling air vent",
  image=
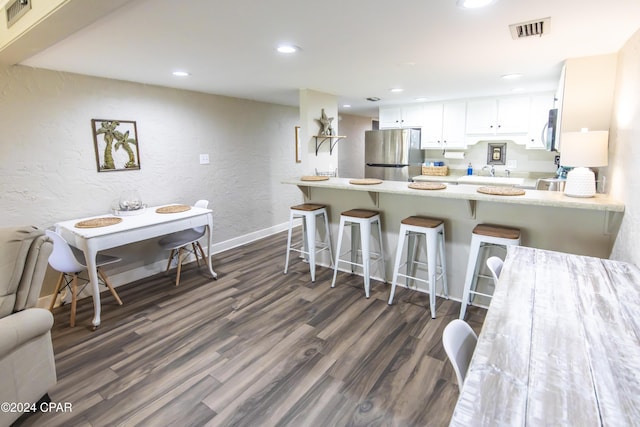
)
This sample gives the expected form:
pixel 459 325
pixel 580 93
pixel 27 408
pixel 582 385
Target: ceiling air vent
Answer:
pixel 530 29
pixel 15 10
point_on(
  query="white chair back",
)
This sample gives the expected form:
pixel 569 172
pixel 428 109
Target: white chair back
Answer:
pixel 495 266
pixel 459 342
pixel 62 258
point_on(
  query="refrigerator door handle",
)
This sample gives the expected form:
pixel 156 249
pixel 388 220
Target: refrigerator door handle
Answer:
pixel 383 165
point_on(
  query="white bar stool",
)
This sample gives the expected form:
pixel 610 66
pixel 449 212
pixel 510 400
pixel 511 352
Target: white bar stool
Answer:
pixel 309 212
pixel 484 235
pixel 433 232
pixel 361 219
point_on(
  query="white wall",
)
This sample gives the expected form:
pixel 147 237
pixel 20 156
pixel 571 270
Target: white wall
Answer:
pixel 311 105
pixel 624 150
pixel 48 166
pixel 527 160
pixel 351 149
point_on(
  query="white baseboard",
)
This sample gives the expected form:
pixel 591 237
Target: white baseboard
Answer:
pixel 251 237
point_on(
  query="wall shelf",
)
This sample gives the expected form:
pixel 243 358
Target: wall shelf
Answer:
pixel 333 140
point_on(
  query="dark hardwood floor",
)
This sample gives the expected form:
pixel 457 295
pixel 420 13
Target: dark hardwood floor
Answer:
pixel 255 348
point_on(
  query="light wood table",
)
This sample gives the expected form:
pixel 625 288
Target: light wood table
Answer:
pixel 560 345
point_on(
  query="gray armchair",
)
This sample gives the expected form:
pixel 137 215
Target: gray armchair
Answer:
pixel 27 365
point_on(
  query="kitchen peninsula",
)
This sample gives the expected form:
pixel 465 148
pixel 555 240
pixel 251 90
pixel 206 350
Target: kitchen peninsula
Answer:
pixel 548 220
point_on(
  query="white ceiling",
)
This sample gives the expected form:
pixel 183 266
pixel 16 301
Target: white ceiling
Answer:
pixel 350 48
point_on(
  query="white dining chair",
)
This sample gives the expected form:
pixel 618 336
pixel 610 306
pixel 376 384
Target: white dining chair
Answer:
pixel 495 267
pixel 459 342
pixel 70 261
pixel 183 243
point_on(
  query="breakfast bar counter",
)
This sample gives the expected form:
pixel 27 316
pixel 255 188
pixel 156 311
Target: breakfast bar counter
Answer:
pixel 468 192
pixel 547 219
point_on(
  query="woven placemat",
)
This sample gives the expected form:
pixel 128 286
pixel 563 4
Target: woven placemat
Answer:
pixel 501 191
pixel 427 186
pixel 98 222
pixel 314 178
pixel 173 209
pixel 365 181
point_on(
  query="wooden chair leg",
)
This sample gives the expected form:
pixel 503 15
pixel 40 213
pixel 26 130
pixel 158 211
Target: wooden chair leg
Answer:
pixel 179 266
pixel 195 252
pixel 74 299
pixel 55 293
pixel 173 251
pixel 107 282
pixel 204 257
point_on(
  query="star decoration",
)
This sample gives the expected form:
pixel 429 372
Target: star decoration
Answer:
pixel 325 124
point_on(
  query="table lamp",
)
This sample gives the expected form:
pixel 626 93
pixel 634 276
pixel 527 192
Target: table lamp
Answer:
pixel 583 150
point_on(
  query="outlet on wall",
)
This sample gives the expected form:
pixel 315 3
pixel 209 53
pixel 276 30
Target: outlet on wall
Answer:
pixel 512 164
pixel 204 159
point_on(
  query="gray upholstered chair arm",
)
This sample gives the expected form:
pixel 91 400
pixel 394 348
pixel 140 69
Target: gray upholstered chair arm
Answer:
pixel 23 326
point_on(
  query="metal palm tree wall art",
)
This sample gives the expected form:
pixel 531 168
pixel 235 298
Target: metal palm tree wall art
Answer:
pixel 116 144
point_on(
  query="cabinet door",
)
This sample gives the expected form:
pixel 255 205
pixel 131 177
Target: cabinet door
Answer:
pixel 390 117
pixel 412 116
pixel 432 127
pixel 453 125
pixel 539 116
pixel 481 117
pixel 513 115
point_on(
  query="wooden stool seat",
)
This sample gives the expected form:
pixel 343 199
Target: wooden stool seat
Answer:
pixel 308 207
pixel 360 213
pixel 420 221
pixel 497 231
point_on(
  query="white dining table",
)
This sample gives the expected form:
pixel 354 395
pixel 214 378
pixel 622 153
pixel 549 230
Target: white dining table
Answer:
pixel 560 345
pixel 133 228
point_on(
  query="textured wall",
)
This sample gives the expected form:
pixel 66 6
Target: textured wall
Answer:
pixel 48 167
pixel 351 149
pixel 624 150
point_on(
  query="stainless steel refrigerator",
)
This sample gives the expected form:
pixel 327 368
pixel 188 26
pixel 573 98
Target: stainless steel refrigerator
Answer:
pixel 392 154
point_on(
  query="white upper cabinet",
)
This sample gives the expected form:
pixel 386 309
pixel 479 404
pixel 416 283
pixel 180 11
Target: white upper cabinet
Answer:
pixel 444 125
pixel 402 116
pixel 481 116
pixel 498 116
pixel 538 121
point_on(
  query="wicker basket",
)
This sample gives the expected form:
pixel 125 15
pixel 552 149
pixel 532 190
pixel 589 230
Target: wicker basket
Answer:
pixel 435 170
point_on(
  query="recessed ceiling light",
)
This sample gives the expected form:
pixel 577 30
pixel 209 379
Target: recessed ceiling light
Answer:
pixel 346 106
pixel 181 74
pixel 397 90
pixel 474 4
pixel 511 76
pixel 421 98
pixel 288 48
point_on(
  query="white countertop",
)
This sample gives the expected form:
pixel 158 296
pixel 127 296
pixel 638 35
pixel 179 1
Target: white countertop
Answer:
pixel 528 180
pixel 600 202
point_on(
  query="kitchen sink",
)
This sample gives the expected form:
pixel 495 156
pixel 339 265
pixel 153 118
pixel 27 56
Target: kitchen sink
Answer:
pixel 490 180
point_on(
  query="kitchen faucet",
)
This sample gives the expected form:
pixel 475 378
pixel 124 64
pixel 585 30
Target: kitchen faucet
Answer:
pixel 492 171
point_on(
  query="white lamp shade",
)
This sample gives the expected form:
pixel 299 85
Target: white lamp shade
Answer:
pixel 588 149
